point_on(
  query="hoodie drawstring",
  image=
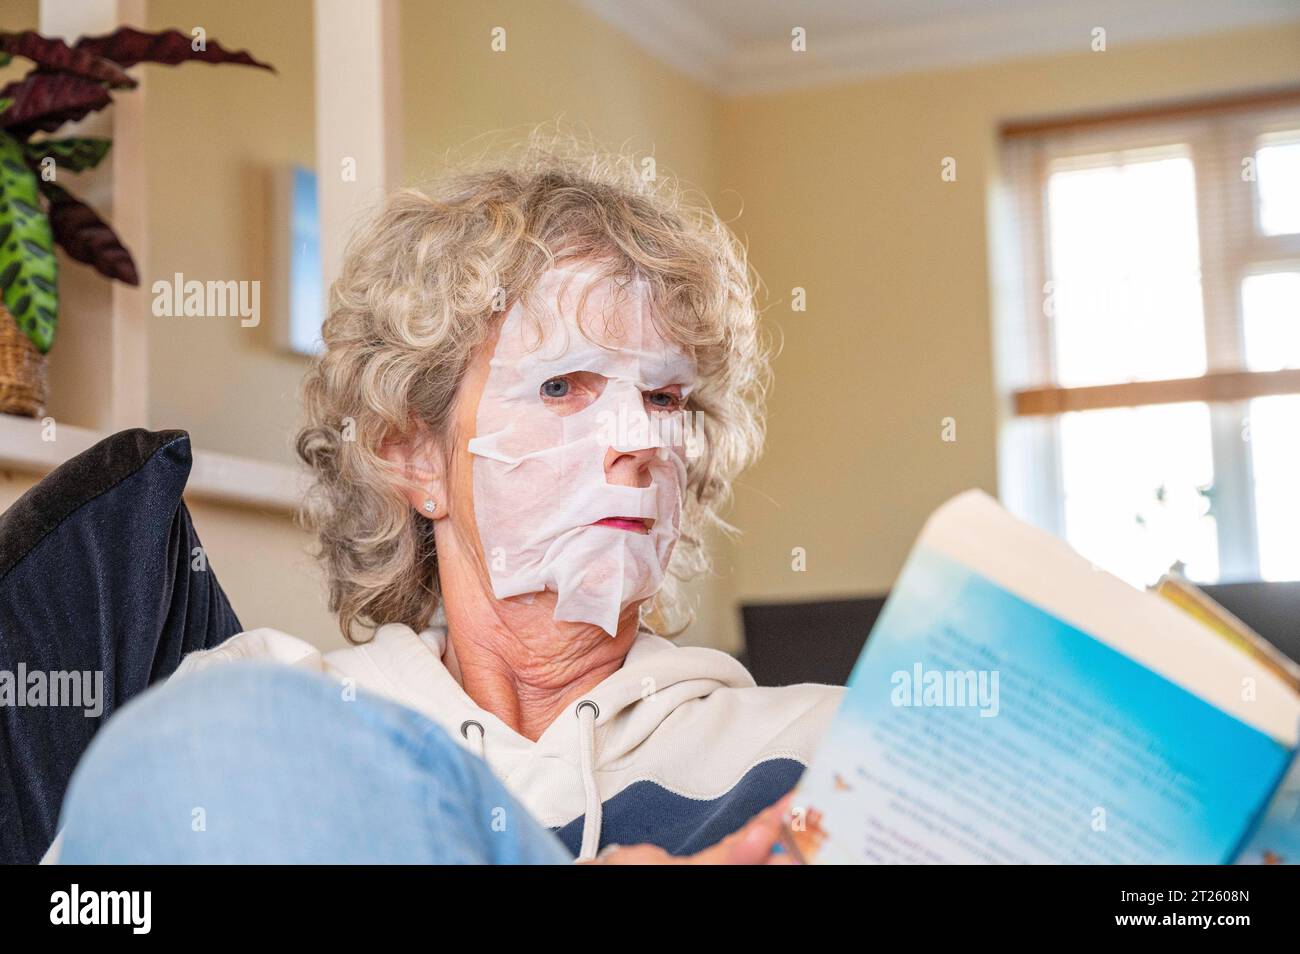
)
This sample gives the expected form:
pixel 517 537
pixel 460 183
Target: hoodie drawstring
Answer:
pixel 588 712
pixel 469 725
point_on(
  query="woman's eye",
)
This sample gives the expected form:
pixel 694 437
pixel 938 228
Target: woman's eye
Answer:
pixel 555 388
pixel 664 400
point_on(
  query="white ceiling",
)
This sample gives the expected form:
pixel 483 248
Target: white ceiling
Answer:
pixel 743 21
pixel 741 46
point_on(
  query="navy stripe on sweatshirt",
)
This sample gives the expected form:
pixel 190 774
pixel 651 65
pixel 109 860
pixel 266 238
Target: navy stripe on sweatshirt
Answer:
pixel 648 813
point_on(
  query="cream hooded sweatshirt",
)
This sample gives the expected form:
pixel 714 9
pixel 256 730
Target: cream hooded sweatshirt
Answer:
pixel 677 748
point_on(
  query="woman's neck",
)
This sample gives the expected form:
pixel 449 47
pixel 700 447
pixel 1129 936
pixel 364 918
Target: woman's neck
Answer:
pixel 519 663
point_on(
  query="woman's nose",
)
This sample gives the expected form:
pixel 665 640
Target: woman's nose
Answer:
pixel 629 468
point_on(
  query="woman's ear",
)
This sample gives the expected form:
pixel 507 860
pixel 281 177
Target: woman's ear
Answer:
pixel 420 468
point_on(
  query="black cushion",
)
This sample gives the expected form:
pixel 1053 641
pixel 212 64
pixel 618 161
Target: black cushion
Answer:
pixel 101 572
pixel 1271 609
pixel 789 643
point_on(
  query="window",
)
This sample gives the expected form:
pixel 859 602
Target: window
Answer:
pixel 1148 325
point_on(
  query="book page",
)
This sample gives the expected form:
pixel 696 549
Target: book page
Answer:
pixel 1276 840
pixel 1044 571
pixel 980 727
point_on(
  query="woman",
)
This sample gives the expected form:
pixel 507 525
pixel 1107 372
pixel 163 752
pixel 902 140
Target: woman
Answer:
pixel 538 383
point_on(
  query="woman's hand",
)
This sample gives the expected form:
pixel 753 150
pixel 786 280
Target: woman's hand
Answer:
pixel 750 845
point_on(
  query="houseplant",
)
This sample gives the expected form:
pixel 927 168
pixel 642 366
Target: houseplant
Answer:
pixel 65 84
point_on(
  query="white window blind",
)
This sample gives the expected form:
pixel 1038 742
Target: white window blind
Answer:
pixel 1149 336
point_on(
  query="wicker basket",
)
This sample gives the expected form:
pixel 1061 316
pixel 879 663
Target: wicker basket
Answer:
pixel 24 384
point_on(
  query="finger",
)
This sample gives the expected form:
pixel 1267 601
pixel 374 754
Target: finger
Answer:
pixel 779 810
pixel 750 845
pixel 635 855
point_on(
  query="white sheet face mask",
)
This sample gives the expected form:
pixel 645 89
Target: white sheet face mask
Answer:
pixel 540 485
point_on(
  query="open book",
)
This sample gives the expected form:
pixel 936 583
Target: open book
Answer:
pixel 1016 704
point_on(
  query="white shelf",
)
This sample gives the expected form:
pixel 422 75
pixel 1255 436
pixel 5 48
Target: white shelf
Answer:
pixel 215 477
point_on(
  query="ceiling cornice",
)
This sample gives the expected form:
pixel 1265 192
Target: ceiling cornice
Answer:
pixel 685 41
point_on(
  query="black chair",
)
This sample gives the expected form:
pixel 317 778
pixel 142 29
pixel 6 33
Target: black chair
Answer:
pixel 1270 609
pixel 789 643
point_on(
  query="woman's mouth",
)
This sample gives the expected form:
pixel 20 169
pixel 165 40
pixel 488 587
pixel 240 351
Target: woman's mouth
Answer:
pixel 635 524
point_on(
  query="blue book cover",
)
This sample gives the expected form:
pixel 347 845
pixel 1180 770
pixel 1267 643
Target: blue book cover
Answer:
pixel 1021 706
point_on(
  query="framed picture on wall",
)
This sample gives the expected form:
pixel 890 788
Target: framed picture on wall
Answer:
pixel 297 291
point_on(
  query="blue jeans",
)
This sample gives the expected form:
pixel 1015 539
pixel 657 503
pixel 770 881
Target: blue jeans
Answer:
pixel 255 763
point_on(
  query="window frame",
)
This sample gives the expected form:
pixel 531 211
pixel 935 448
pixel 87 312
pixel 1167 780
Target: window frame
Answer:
pixel 1231 245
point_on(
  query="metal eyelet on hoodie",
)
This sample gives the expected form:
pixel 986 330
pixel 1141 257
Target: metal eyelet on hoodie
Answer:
pixel 588 712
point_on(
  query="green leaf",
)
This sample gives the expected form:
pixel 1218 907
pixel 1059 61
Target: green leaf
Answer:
pixel 28 269
pixel 76 154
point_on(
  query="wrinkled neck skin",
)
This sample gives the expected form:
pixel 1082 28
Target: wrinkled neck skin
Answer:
pixel 513 658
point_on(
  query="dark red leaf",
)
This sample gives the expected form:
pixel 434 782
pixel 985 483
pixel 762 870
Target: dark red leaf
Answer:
pixel 46 101
pixel 127 46
pixel 86 237
pixel 53 54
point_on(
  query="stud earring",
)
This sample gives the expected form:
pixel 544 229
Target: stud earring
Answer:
pixel 430 506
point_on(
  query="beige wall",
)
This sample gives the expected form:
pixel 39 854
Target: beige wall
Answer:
pixel 265 566
pixel 842 196
pixel 559 64
pixel 213 134
pixel 13 486
pixel 18 15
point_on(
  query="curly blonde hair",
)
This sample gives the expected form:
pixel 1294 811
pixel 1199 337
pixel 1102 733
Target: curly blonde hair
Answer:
pixel 418 293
